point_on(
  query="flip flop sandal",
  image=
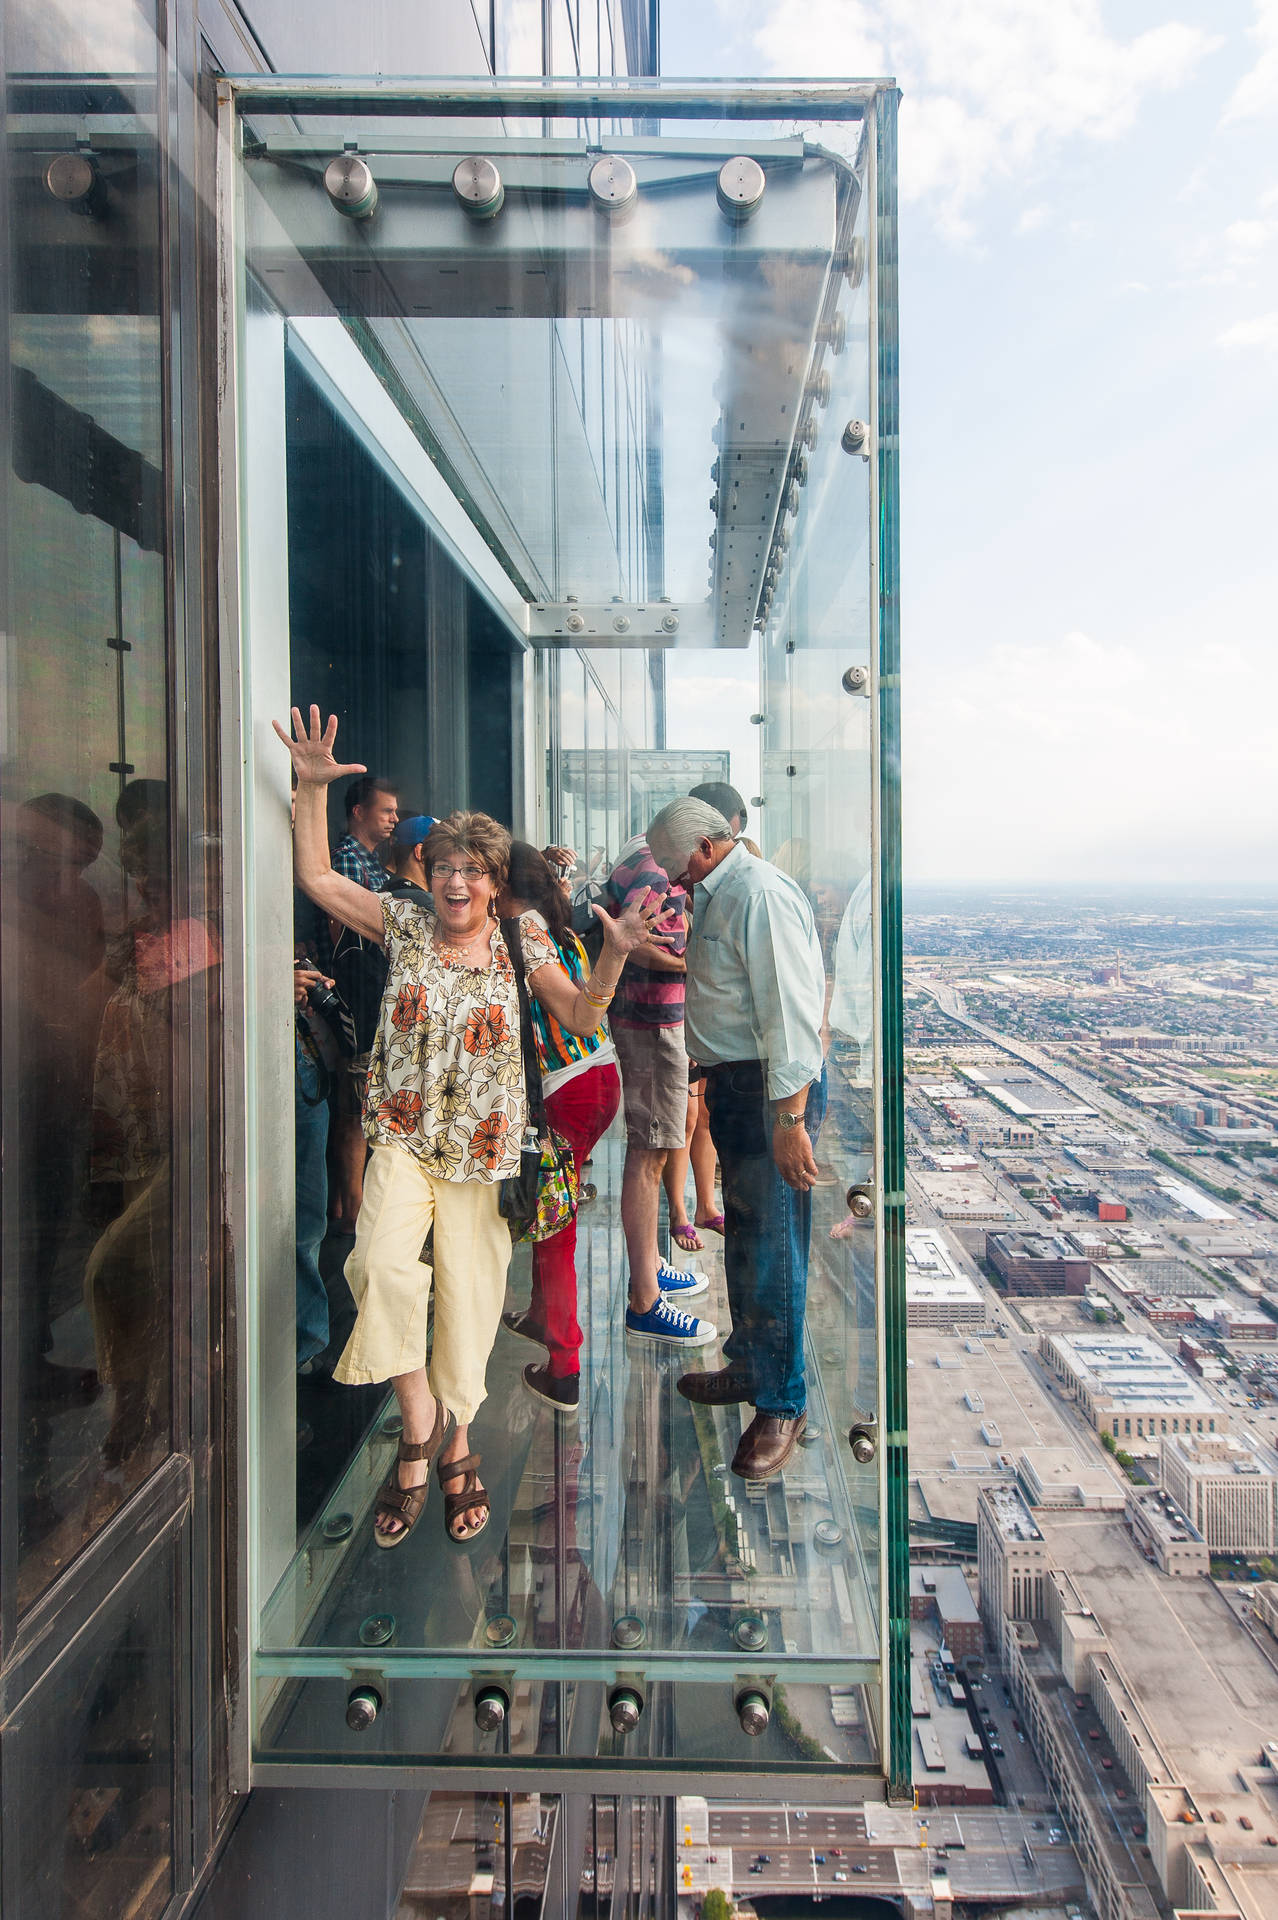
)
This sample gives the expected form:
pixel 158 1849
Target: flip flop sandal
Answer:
pixel 471 1495
pixel 686 1237
pixel 405 1503
pixel 713 1225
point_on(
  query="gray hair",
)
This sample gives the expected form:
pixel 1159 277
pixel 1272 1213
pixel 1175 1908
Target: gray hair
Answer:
pixel 678 828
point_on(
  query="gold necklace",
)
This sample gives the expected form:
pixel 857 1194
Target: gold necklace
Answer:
pixel 460 955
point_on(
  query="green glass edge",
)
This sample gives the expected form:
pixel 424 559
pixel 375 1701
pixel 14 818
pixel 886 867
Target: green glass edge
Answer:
pixel 892 1092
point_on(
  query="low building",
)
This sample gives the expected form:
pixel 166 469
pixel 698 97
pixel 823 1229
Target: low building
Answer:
pixel 1036 1264
pixel 1165 1309
pixel 1239 1323
pixel 1129 1387
pixel 1055 1477
pixel 1228 1490
pixel 1166 1537
pixel 943 1591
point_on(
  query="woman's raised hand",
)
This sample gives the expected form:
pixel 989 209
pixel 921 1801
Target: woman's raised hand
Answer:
pixel 634 928
pixel 312 750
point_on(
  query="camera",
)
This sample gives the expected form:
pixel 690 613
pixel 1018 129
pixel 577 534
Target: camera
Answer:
pixel 321 999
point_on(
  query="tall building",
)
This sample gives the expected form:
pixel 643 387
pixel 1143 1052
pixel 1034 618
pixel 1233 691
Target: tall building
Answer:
pixel 1011 1559
pixel 1228 1490
pixel 509 420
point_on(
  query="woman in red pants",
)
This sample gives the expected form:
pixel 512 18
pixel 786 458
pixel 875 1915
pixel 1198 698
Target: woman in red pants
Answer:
pixel 582 1089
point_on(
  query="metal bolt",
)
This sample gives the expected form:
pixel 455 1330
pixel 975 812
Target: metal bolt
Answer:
pixel 621 623
pixel 629 1631
pixel 624 1709
pixel 856 680
pixel 863 1445
pixel 378 1630
pixel 362 1708
pixel 338 1526
pixel 860 1203
pixel 478 186
pixel 613 184
pixel 753 1712
pixel 740 186
pixel 491 1707
pixel 499 1630
pixel 670 623
pixel 73 178
pixel 855 437
pixel 575 622
pixel 349 184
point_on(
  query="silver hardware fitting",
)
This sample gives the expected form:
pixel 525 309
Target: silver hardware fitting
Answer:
pixel 860 1203
pixel 634 622
pixel 856 438
pixel 349 184
pixel 856 680
pixel 863 1438
pixel 752 1699
pixel 492 1705
pixel 363 1705
pixel 625 1706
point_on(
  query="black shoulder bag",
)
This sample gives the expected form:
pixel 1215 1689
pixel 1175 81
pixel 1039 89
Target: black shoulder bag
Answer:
pixel 517 1194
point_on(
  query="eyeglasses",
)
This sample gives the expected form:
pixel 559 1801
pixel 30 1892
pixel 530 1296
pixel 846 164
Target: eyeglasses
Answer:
pixel 472 875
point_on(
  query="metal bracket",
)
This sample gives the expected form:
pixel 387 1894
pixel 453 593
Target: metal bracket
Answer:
pixel 618 623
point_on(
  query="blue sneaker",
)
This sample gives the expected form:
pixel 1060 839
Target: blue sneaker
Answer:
pixel 680 1283
pixel 665 1323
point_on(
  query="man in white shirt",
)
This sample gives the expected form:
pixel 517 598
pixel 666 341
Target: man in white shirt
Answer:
pixel 755 997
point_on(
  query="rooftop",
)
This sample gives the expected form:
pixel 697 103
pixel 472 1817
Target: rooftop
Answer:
pixel 1011 1513
pixel 1130 1370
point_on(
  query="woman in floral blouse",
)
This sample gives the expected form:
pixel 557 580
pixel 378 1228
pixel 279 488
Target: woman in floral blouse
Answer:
pixel 444 1113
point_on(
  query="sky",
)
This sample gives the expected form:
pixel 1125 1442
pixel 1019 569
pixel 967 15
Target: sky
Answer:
pixel 1089 397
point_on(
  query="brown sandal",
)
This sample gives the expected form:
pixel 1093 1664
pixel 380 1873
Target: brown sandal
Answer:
pixel 405 1503
pixel 471 1495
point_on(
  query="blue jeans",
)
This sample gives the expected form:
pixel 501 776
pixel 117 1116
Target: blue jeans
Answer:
pixel 311 1133
pixel 767 1226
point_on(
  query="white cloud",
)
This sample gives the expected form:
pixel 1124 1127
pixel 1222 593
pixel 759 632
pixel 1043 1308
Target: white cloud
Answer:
pixel 1032 218
pixel 1246 238
pixel 1261 332
pixel 1073 756
pixel 990 86
pixel 1257 92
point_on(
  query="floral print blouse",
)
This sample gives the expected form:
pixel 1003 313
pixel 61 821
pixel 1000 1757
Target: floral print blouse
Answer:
pixel 445 1078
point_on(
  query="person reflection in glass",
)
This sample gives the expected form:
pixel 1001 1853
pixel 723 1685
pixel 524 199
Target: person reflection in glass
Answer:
pixel 444 1111
pixel 60 943
pixel 756 995
pixel 160 966
pixel 582 1091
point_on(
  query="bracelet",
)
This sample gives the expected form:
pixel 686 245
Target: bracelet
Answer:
pixel 597 1004
pixel 597 999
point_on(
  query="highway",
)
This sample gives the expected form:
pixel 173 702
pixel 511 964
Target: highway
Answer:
pixel 880 1850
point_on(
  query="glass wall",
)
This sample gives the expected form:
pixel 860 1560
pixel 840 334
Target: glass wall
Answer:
pixel 561 487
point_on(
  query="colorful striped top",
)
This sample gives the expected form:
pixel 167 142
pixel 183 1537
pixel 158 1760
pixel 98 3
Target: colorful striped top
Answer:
pixel 560 1055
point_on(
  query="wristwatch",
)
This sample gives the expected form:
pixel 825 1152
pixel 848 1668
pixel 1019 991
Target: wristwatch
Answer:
pixel 789 1121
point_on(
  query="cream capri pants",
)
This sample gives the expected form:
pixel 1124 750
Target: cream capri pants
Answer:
pixel 391 1283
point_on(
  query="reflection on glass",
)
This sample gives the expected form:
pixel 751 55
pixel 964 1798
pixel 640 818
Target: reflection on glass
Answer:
pixel 89 1797
pixel 103 966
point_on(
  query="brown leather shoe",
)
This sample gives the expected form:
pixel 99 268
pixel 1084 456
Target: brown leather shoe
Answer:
pixel 723 1388
pixel 766 1445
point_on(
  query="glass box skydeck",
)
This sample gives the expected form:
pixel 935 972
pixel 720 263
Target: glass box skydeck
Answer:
pixel 558 459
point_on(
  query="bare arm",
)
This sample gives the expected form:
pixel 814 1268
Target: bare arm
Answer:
pixel 312 755
pixel 579 1010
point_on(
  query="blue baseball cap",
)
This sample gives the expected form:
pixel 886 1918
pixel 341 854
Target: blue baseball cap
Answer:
pixel 411 832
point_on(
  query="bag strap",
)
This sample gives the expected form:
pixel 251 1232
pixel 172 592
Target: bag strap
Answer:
pixel 528 1045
